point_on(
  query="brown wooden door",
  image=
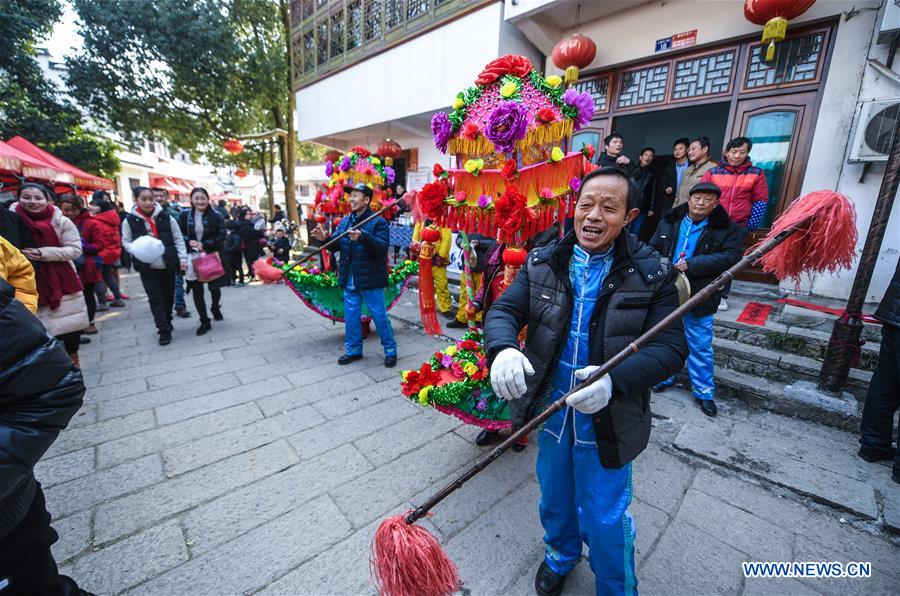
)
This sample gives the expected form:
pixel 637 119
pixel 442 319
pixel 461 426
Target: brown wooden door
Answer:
pixel 781 130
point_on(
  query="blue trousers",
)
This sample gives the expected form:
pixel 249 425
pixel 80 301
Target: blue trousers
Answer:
pixel 583 502
pixel 374 299
pixel 179 292
pixel 699 334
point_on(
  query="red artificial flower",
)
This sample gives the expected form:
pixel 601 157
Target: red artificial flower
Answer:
pixel 510 64
pixel 469 131
pixel 360 151
pixel 509 209
pixel 431 199
pixel 439 172
pixel 468 345
pixel 546 115
pixel 510 169
pixel 588 151
pixel 482 373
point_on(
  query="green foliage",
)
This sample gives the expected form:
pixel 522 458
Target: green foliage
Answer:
pixel 29 105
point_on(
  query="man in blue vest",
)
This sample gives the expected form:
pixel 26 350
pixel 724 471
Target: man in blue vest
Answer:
pixel 362 274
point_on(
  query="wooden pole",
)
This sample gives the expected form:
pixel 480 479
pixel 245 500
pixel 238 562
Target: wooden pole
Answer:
pixel 844 345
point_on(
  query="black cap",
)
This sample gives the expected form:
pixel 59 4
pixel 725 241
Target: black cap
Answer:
pixel 706 187
pixel 363 188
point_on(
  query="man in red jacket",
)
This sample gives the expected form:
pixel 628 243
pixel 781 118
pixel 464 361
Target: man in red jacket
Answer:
pixel 742 183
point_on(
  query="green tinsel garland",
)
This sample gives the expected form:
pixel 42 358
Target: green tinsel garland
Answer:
pixel 300 277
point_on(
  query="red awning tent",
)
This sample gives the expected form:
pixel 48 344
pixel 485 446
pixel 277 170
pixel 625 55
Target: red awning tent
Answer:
pixel 67 173
pixel 15 164
pixel 175 186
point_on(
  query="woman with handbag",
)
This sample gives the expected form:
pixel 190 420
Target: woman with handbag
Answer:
pixel 204 233
pixel 61 305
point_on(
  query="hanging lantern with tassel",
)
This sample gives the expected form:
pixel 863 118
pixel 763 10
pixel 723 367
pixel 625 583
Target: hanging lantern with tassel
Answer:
pixel 513 259
pixel 389 149
pixel 233 146
pixel 427 303
pixel 774 15
pixel 573 53
pixel 240 173
pixel 332 155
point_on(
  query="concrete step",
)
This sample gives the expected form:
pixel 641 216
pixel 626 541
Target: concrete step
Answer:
pixel 784 367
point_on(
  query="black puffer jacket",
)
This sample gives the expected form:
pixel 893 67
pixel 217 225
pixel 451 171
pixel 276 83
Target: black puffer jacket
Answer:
pixel 367 257
pixel 720 246
pixel 40 391
pixel 638 293
pixel 14 230
pixel 889 310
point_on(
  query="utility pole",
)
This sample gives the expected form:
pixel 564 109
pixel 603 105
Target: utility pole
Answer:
pixel 847 330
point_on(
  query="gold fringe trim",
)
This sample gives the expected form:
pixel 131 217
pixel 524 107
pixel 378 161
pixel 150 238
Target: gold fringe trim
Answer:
pixel 540 135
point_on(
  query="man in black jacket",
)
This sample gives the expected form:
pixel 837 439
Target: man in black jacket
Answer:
pixel 362 274
pixel 13 229
pixel 40 391
pixel 671 178
pixel 702 242
pixel 883 398
pixel 585 298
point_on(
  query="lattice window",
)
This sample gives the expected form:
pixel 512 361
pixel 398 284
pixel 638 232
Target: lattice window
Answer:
pixel 647 85
pixel 297 53
pixel 796 60
pixel 415 8
pixel 295 12
pixel 308 8
pixel 599 89
pixel 354 25
pixel 372 25
pixel 322 42
pixel 393 13
pixel 309 50
pixel 706 75
pixel 337 33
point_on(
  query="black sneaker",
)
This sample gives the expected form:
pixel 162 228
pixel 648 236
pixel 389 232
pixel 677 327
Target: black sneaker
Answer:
pixel 203 328
pixel 390 361
pixel 485 437
pixel 547 582
pixel 873 455
pixel 182 312
pixel 117 304
pixel 708 407
pixel 165 338
pixel 455 324
pixel 348 358
pixel 84 340
pixel 449 315
pixel 217 313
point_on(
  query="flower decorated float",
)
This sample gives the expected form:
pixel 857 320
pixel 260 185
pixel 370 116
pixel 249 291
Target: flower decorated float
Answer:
pixel 515 176
pixel 359 165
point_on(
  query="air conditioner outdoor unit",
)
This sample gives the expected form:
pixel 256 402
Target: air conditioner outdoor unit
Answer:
pixel 876 121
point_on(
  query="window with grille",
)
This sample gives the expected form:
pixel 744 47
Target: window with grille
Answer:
pixel 796 60
pixel 372 24
pixel 415 8
pixel 309 50
pixel 393 13
pixel 296 11
pixel 321 42
pixel 598 88
pixel 308 8
pixel 337 33
pixel 354 25
pixel 704 75
pixel 643 86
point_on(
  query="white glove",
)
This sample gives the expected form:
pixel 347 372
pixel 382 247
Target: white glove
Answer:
pixel 508 373
pixel 595 396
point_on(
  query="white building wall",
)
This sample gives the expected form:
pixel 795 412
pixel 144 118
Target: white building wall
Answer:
pixel 421 75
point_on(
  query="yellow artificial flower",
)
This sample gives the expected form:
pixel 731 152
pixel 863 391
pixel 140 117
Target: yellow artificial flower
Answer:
pixel 470 368
pixel 450 351
pixel 554 81
pixel 423 394
pixel 557 154
pixel 509 89
pixel 375 161
pixel 404 374
pixel 458 103
pixel 474 166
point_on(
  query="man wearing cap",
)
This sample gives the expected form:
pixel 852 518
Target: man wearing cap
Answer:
pixel 702 242
pixel 362 274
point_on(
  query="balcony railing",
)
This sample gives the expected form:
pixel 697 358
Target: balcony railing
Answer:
pixel 328 35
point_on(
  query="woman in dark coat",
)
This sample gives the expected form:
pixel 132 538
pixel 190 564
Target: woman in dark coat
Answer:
pixel 250 237
pixel 204 232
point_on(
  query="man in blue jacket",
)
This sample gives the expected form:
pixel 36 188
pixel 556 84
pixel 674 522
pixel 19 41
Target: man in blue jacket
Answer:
pixel 584 298
pixel 362 274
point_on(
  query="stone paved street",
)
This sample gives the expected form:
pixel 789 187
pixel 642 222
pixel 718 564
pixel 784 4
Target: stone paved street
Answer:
pixel 246 461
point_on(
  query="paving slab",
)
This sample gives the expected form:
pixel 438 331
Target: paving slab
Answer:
pixel 79 437
pixel 197 406
pixel 55 470
pixel 147 400
pixel 74 535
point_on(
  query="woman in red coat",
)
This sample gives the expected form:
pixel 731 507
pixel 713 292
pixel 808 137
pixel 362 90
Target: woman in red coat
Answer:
pixel 90 264
pixel 110 242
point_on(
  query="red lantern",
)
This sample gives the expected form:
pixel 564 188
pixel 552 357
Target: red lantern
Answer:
pixel 431 234
pixel 332 155
pixel 233 146
pixel 514 257
pixel 320 218
pixel 240 173
pixel 573 53
pixel 389 149
pixel 774 15
pixel 336 222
